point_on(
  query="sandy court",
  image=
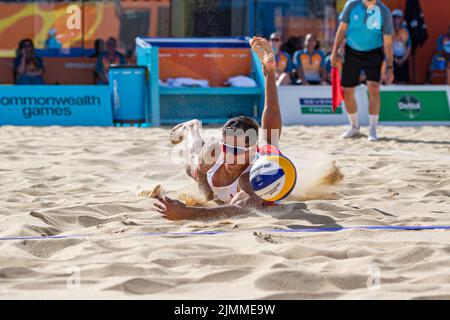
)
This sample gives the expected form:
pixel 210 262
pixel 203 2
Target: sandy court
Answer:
pixel 85 180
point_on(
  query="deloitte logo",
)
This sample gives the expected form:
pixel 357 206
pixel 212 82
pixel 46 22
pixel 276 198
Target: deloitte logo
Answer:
pixel 409 106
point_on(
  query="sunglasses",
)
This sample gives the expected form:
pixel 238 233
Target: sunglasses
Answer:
pixel 276 40
pixel 235 150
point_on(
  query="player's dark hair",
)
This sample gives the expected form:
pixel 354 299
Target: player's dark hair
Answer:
pixel 241 124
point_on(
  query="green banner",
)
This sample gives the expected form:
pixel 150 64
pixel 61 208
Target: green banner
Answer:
pixel 414 106
pixel 318 106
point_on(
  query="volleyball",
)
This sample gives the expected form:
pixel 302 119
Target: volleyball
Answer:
pixel 273 177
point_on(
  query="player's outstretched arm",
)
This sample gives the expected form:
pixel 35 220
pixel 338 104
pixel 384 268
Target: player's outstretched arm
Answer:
pixel 242 203
pixel 176 210
pixel 271 117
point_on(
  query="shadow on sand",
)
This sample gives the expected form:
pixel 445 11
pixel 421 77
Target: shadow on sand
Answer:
pixel 398 140
pixel 299 211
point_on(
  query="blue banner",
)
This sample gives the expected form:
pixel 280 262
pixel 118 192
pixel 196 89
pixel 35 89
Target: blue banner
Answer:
pixel 63 105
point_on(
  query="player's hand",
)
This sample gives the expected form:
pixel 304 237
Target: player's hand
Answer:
pixel 334 59
pixel 390 76
pixel 170 209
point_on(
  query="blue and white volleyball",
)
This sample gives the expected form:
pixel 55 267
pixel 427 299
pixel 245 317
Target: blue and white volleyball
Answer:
pixel 273 177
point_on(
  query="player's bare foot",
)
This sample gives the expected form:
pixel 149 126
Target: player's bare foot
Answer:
pixel 178 132
pixel 264 51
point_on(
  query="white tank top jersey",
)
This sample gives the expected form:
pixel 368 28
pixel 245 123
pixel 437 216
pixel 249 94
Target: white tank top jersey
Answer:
pixel 225 193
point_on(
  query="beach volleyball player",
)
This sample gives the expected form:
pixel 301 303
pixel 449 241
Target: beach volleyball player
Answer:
pixel 222 169
pixel 368 27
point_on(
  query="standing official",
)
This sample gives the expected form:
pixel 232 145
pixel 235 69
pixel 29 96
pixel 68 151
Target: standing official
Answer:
pixel 368 27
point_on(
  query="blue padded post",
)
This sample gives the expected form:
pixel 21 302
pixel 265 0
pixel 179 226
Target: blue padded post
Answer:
pixel 154 86
pixel 259 78
pixel 143 54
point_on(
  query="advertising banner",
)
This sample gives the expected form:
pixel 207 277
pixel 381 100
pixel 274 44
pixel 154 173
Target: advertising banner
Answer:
pixel 318 106
pixel 400 105
pixel 64 25
pixel 414 106
pixel 312 105
pixel 41 105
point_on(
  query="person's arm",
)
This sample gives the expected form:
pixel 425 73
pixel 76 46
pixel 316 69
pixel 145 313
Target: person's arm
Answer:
pixel 99 69
pixel 298 65
pixel 406 56
pixel 176 210
pixel 383 73
pixel 388 31
pixel 207 158
pixel 285 77
pixel 301 74
pixel 389 54
pixel 39 71
pixel 340 36
pixel 323 71
pixel 242 203
pixel 323 76
pixel 408 48
pixel 271 116
pixel 21 67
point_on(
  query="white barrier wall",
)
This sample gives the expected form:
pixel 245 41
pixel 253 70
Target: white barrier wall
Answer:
pixel 400 105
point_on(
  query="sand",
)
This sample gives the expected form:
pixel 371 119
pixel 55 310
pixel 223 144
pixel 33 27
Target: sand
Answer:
pixel 65 181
